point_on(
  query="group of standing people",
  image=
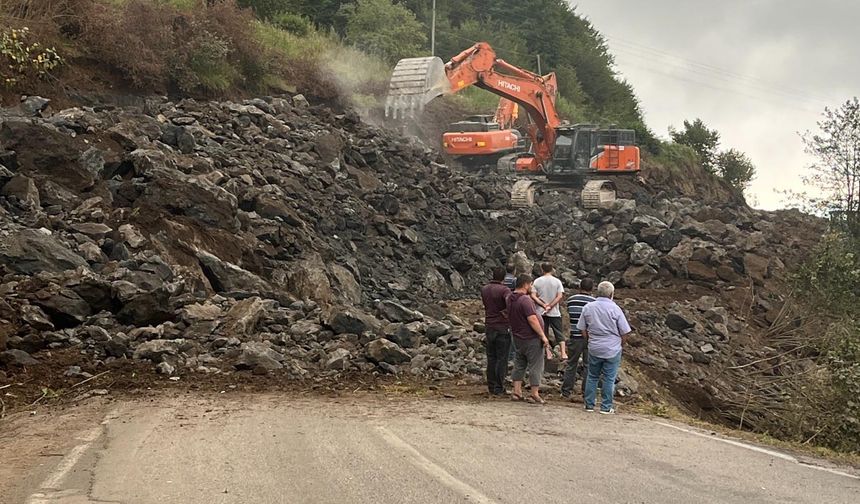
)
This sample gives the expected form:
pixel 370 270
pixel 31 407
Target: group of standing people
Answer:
pixel 521 312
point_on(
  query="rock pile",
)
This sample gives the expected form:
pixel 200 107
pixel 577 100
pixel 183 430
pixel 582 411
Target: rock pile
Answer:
pixel 271 235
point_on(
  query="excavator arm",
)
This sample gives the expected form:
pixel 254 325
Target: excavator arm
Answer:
pixel 416 81
pixel 506 113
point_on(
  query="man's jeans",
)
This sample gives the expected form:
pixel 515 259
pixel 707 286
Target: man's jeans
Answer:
pixel 609 369
pixel 498 350
pixel 576 347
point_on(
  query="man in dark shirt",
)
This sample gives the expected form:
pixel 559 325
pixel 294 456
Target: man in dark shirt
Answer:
pixel 529 340
pixel 577 346
pixel 498 331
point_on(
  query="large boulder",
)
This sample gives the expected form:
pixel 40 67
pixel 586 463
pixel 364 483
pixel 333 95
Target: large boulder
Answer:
pixel 64 306
pixel 243 317
pixel 382 350
pixel 226 277
pixel 352 321
pixel 308 279
pixel 32 251
pixel 156 350
pixel 396 312
pixel 258 356
pixel 24 190
pixel 44 153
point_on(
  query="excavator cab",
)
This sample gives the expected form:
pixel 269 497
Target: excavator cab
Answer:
pixel 586 149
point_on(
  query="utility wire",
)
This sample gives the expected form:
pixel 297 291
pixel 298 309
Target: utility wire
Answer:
pixel 622 45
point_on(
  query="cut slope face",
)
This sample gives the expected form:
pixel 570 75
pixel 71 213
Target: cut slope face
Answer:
pixel 274 236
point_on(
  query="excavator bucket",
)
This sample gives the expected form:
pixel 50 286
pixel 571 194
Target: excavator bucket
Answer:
pixel 414 82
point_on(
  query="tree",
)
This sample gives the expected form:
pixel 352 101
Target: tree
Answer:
pixel 384 28
pixel 836 169
pixel 704 141
pixel 736 168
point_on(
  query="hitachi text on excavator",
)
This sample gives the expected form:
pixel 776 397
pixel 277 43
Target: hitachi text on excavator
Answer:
pixel 571 154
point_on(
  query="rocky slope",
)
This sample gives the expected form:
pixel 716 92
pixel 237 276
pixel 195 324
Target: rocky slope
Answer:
pixel 275 236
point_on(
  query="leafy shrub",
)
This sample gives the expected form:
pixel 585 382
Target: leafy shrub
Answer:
pixel 158 46
pixel 23 60
pixel 293 23
pixel 267 9
pixel 384 28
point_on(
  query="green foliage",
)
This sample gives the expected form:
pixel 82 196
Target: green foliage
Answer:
pixel 293 23
pixel 267 9
pixel 21 59
pixel 383 28
pixel 205 66
pixel 843 360
pixel 830 285
pixel 736 168
pixel 832 274
pixel 835 172
pixel 704 141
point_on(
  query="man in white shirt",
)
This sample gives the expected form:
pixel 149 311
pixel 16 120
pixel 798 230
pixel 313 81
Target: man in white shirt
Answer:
pixel 548 293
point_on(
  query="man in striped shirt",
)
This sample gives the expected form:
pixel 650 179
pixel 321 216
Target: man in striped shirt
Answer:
pixel 577 347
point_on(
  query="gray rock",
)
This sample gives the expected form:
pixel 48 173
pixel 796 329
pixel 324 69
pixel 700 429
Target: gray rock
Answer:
pixel 383 350
pixel 227 277
pixel 642 254
pixel 24 190
pixel 396 312
pixel 36 318
pixel 31 251
pixel 243 317
pixel 679 322
pixel 20 358
pixel 258 356
pixel 338 359
pixel 353 321
pixel 94 230
pixel 156 350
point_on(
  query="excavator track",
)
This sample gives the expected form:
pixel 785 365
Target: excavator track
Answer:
pixel 523 193
pixel 598 194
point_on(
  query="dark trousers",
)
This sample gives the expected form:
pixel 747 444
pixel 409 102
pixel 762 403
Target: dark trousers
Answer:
pixel 576 348
pixel 554 336
pixel 498 350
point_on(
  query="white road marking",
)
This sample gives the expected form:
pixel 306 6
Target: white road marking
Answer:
pixel 772 453
pixel 469 492
pixel 53 482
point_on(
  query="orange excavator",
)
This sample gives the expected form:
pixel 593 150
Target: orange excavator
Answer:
pixel 482 140
pixel 571 154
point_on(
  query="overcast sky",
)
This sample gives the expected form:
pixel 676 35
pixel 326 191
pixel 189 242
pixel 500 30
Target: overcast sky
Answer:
pixel 758 71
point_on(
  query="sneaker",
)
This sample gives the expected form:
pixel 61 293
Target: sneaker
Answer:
pixel 610 411
pixel 589 410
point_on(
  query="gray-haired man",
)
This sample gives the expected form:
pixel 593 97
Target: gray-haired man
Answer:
pixel 605 328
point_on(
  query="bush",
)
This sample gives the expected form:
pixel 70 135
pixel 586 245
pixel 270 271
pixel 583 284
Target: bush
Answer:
pixel 293 23
pixel 21 60
pixel 384 28
pixel 157 46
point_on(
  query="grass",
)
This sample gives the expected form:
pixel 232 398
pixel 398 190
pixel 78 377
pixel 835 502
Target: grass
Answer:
pixel 359 76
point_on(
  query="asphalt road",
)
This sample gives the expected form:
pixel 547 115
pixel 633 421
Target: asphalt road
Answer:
pixel 270 449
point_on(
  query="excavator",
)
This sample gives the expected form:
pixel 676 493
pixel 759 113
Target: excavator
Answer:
pixel 480 141
pixel 562 153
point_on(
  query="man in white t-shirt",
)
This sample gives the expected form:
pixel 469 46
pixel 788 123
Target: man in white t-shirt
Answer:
pixel 548 293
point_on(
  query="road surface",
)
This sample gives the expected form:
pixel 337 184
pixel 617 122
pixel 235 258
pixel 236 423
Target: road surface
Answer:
pixel 273 449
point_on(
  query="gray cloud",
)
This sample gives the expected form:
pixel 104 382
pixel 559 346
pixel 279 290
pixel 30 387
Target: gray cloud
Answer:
pixel 758 71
